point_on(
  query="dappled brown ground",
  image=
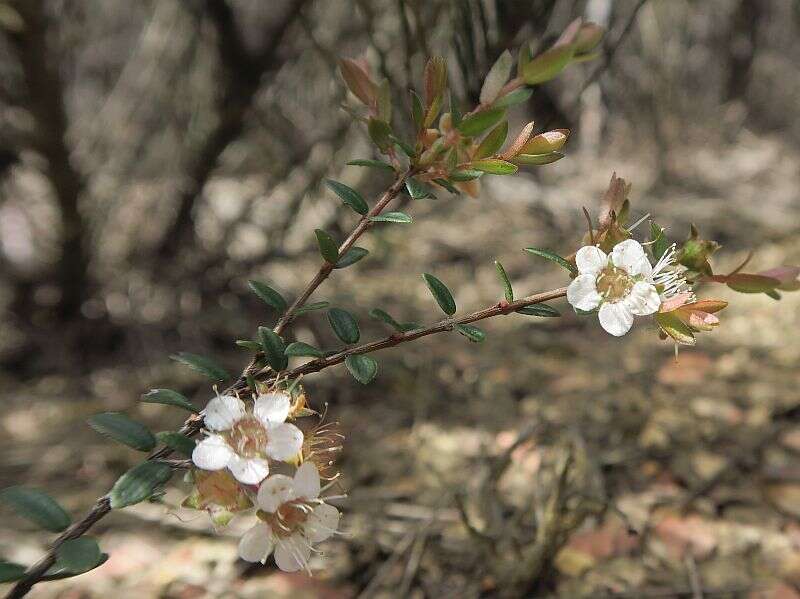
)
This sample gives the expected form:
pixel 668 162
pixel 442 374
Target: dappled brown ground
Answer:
pixel 694 463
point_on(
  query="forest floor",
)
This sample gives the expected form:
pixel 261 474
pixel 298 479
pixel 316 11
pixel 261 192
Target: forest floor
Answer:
pixel 692 465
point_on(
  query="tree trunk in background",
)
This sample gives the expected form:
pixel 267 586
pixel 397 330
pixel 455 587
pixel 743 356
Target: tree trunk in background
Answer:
pixel 743 43
pixel 45 101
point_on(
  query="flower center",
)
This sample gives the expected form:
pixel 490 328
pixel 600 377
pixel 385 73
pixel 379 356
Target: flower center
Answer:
pixel 248 437
pixel 614 284
pixel 287 518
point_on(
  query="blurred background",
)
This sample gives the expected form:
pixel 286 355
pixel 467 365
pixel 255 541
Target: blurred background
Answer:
pixel 155 155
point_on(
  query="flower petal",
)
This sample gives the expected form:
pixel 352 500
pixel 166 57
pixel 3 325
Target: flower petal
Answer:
pixel 212 453
pixel 271 408
pixel 306 481
pixel 274 491
pixel 223 412
pixel 590 260
pixel 644 299
pixel 256 544
pixel 284 441
pixel 629 255
pixel 249 471
pixel 292 553
pixel 322 523
pixel 582 293
pixel 616 318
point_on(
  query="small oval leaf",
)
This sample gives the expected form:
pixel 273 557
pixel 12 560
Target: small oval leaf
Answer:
pixel 419 190
pixel 349 196
pixel 539 310
pixel 476 124
pixel 38 507
pixel 79 555
pixel 363 368
pixel 372 164
pixel 494 166
pixel 353 255
pixel 327 246
pixel 177 442
pixel 168 397
pixel 139 483
pixel 274 348
pixel 472 333
pixel 508 291
pixel 392 217
pixel 493 141
pixel 344 325
pixel 268 295
pixel 312 307
pixel 203 365
pixel 119 427
pixel 9 572
pixel 441 294
pixel 303 350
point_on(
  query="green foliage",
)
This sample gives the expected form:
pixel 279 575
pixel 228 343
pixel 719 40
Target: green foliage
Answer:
pixel 203 365
pixel 494 166
pixel 363 368
pixel 139 483
pixel 383 316
pixel 177 442
pixel 80 555
pixel 441 294
pixel 479 122
pixel 508 291
pixel 9 572
pixel 351 256
pixel 300 349
pixel 379 164
pixel 170 398
pixel 313 306
pixel 36 506
pixel 327 246
pixel 274 348
pixel 419 190
pixel 472 333
pixel 268 295
pixel 539 310
pixel 119 427
pixel 392 217
pixel 493 141
pixel 553 257
pixel 344 325
pixel 349 196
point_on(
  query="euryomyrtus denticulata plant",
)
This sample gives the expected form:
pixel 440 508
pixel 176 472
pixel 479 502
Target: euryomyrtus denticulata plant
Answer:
pixel 262 450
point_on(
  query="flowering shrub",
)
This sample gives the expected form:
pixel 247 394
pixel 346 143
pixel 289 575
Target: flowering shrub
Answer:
pixel 262 451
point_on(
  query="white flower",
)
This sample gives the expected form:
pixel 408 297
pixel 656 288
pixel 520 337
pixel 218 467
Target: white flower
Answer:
pixel 244 442
pixel 622 284
pixel 293 519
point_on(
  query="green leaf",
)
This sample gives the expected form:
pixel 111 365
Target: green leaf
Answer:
pixel 252 346
pixel 380 133
pixel 119 427
pixel 508 291
pixel 392 217
pixel 547 65
pixel 494 166
pixel 407 149
pixel 372 164
pixel 553 257
pixel 518 96
pixel 177 442
pixel 478 123
pixel 274 348
pixel 79 555
pixel 538 159
pixel 37 507
pixel 344 325
pixel 472 333
pixel 384 316
pixel 327 246
pixel 419 190
pixel 58 572
pixel 465 175
pixel 671 325
pixel 349 196
pixel 363 368
pixel 203 365
pixel 9 572
pixel 447 185
pixel 539 310
pixel 312 306
pixel 659 244
pixel 351 256
pixel 300 349
pixel 417 110
pixel 455 111
pixel 497 77
pixel 747 283
pixel 268 295
pixel 139 483
pixel 170 398
pixel 441 294
pixel 493 141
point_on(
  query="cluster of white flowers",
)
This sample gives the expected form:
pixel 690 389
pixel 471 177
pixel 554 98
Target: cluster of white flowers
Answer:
pixel 623 284
pixel 292 515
